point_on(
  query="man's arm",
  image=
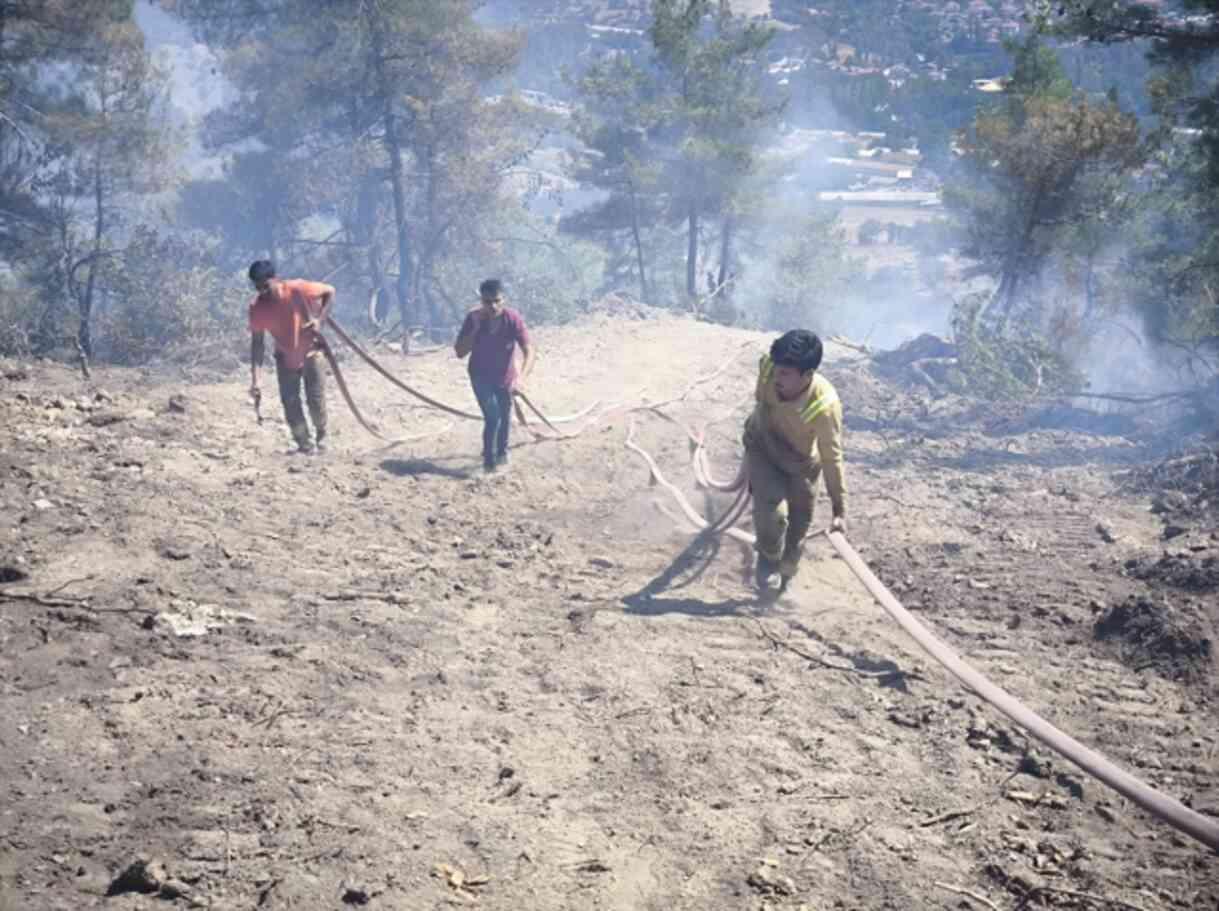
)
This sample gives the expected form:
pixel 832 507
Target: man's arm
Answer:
pixel 469 332
pixel 258 348
pixel 828 430
pixel 528 352
pixel 327 300
pixel 324 295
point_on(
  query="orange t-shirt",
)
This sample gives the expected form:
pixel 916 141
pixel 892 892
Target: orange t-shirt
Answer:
pixel 282 312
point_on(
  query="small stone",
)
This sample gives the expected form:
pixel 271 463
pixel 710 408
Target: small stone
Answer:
pixel 143 875
pixel 174 888
pixel 1034 765
pixel 178 403
pixel 43 504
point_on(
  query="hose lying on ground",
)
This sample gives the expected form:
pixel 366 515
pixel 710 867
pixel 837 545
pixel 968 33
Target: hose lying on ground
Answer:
pixel 518 395
pixel 341 382
pixel 1158 804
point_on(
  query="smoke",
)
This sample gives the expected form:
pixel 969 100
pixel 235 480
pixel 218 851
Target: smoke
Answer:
pixel 195 86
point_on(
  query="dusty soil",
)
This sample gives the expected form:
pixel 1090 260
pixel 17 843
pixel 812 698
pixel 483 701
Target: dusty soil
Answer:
pixel 247 679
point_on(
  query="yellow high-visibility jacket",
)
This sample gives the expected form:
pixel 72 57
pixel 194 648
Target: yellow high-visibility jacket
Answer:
pixel 809 428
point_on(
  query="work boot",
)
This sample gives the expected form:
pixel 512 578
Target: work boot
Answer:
pixel 763 571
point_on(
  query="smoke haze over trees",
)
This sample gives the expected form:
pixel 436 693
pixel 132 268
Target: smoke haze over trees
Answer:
pixel 1024 174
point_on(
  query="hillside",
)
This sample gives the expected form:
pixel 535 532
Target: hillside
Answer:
pixel 380 678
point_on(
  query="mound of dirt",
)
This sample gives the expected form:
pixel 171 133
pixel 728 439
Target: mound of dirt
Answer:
pixel 623 306
pixel 1194 572
pixel 1181 486
pixel 927 362
pixel 1173 641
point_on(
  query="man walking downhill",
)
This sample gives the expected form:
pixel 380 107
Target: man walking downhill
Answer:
pixel 793 435
pixel 490 334
pixel 292 311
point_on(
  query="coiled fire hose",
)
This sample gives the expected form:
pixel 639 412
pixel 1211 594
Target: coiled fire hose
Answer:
pixel 1093 763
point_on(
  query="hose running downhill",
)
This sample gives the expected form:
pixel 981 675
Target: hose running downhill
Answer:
pixel 1099 767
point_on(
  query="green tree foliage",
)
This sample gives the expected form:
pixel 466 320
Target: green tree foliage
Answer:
pixel 118 150
pixel 672 140
pixel 712 114
pixel 1039 168
pixel 390 136
pixel 168 301
pixel 808 277
pixel 81 141
pixel 1173 264
pixel 617 127
pixel 33 37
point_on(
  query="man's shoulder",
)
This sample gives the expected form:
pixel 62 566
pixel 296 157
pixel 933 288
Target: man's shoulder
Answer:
pixel 823 388
pixel 514 316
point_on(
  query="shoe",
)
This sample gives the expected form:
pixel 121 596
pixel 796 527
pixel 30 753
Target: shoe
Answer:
pixel 763 571
pixel 304 449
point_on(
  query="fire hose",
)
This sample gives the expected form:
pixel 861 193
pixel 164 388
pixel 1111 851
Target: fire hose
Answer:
pixel 328 352
pixel 1099 767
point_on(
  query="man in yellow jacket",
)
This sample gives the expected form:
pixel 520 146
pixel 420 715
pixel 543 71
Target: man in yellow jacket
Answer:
pixel 793 436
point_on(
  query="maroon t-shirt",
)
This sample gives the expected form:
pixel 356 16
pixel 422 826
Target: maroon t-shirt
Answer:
pixel 491 358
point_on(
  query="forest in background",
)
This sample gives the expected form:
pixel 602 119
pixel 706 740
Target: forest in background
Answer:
pixel 405 149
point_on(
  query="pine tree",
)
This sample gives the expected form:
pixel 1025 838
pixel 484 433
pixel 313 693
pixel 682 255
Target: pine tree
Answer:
pixel 1173 264
pixel 1040 164
pixel 355 102
pixel 617 154
pixel 711 115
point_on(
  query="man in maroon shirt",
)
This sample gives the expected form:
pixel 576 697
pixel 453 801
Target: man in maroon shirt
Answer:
pixel 490 335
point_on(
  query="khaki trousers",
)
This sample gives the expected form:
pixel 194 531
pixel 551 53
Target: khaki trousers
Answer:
pixel 784 489
pixel 290 382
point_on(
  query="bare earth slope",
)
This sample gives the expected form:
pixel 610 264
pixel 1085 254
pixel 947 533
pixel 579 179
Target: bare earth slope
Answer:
pixel 414 686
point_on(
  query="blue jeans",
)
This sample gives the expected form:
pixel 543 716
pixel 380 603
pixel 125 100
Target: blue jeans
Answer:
pixel 496 404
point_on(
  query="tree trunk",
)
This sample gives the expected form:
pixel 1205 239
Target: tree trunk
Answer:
pixel 400 217
pixel 635 234
pixel 692 256
pixel 84 335
pixel 725 251
pixel 393 145
pixel 435 238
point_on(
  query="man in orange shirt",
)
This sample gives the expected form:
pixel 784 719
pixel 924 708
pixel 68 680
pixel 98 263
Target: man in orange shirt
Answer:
pixel 292 311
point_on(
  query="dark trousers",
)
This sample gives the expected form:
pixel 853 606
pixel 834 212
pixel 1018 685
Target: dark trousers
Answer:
pixel 290 382
pixel 496 404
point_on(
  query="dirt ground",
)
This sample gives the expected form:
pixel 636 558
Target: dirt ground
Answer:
pixel 378 677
